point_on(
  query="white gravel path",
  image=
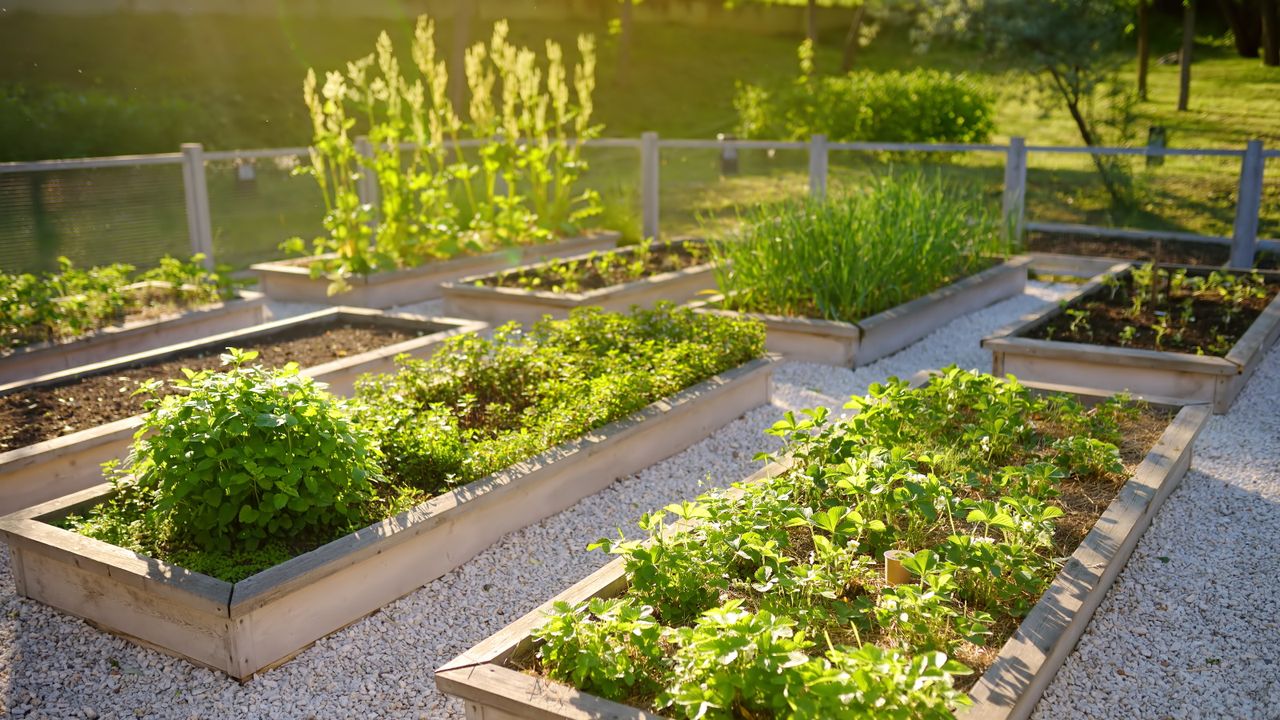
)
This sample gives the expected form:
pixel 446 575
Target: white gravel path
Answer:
pixel 53 666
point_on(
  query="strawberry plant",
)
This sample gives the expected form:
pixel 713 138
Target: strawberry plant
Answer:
pixel 603 269
pixel 769 602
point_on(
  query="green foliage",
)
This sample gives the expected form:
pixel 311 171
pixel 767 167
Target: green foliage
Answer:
pixel 246 457
pixel 612 648
pixel 41 122
pixel 767 599
pixel 604 269
pixel 72 302
pixel 852 256
pixel 435 200
pixel 481 404
pixel 919 105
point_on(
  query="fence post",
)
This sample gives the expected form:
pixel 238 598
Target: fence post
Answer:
pixel 367 185
pixel 196 189
pixel 1244 235
pixel 818 167
pixel 1014 205
pixel 649 184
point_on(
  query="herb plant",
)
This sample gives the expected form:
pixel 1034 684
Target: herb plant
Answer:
pixel 604 269
pixel 482 404
pixel 1161 308
pixel 437 201
pixel 769 601
pixel 73 302
pixel 856 255
pixel 244 458
pixel 246 468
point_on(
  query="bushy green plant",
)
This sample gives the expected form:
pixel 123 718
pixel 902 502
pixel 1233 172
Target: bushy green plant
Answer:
pixel 246 457
pixel 436 201
pixel 767 599
pixel 72 302
pixel 481 404
pixel 855 255
pixel 918 106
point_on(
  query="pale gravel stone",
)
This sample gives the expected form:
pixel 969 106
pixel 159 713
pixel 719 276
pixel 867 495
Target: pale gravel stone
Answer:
pixel 52 665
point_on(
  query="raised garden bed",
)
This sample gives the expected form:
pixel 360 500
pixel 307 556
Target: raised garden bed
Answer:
pixel 501 678
pixel 291 281
pixel 245 627
pixel 59 428
pixel 133 336
pixel 853 344
pixel 615 281
pixel 1092 339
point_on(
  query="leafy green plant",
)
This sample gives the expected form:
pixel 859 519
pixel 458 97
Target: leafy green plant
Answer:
pixel 918 106
pixel 72 302
pixel 435 200
pixel 482 404
pixel 767 600
pixel 1163 308
pixel 604 269
pixel 811 258
pixel 246 457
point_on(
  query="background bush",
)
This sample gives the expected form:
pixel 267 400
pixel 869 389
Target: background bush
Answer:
pixel 916 106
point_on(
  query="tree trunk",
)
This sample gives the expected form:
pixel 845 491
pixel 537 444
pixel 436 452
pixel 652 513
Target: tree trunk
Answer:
pixel 1144 46
pixel 464 12
pixel 1242 18
pixel 851 38
pixel 624 41
pixel 811 22
pixel 1184 55
pixel 1271 32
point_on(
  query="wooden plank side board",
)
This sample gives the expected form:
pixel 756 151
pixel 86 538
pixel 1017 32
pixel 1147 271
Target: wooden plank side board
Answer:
pixel 1009 690
pixel 1080 266
pixel 1150 373
pixel 846 344
pixel 65 464
pixel 26 363
pixel 271 616
pixel 470 297
pixel 291 280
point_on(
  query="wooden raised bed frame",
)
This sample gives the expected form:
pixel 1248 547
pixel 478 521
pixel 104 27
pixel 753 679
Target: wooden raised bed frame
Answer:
pixel 497 305
pixel 62 465
pixel 248 308
pixel 1156 375
pixel 291 281
pixel 264 620
pixel 492 690
pixel 845 344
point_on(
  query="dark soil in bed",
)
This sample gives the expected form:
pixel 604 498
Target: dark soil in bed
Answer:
pixel 1158 251
pixel 1213 329
pixel 601 270
pixel 31 416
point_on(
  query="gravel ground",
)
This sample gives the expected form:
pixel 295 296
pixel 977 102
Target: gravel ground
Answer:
pixel 53 666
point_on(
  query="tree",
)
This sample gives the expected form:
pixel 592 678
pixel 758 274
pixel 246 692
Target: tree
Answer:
pixel 1242 17
pixel 1071 48
pixel 464 14
pixel 1270 32
pixel 1144 45
pixel 861 28
pixel 1184 54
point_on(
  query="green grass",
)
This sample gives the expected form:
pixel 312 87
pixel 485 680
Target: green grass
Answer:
pixel 244 88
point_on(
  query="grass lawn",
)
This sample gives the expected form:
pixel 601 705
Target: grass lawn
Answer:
pixel 241 88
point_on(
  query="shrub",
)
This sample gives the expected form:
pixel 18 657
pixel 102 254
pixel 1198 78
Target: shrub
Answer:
pixel 919 106
pixel 859 254
pixel 246 457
